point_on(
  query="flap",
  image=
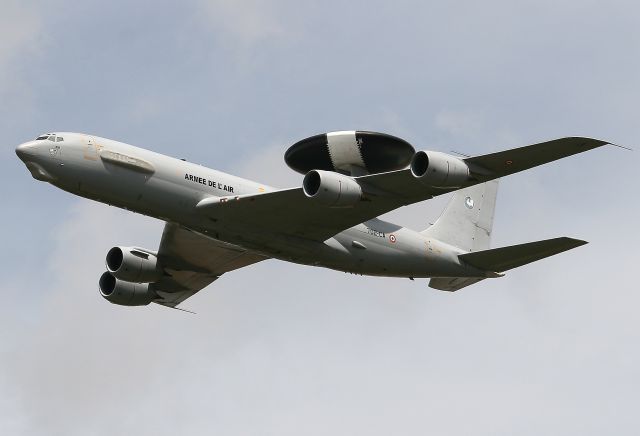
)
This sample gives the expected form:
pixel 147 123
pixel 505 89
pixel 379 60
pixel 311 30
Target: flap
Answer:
pixel 192 261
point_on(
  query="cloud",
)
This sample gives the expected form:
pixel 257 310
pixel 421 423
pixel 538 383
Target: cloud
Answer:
pixel 243 25
pixel 21 33
pixel 279 348
pixel 21 40
pixel 267 165
pixel 457 123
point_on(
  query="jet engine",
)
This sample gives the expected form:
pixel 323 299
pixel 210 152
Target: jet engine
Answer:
pixel 439 170
pixel 125 293
pixel 133 265
pixel 331 189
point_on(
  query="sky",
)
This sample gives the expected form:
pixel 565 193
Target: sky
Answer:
pixel 284 349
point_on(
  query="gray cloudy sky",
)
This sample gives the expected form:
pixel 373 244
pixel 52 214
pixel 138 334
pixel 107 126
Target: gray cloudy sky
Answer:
pixel 281 349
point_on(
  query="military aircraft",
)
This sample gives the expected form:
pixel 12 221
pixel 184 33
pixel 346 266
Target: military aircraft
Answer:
pixel 216 222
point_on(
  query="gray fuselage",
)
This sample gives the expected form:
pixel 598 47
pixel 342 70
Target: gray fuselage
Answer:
pixel 169 189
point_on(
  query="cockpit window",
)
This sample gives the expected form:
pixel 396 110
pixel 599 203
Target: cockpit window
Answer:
pixel 59 139
pixel 49 136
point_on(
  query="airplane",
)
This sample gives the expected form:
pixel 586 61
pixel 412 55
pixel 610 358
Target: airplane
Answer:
pixel 216 223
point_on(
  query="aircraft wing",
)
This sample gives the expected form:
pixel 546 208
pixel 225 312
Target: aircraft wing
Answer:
pixel 488 167
pixel 290 213
pixel 192 261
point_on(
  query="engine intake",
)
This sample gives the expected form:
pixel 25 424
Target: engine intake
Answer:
pixel 439 170
pixel 133 265
pixel 123 292
pixel 331 189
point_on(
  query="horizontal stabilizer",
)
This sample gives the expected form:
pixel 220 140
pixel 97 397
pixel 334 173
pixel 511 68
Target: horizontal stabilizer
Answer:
pixel 506 258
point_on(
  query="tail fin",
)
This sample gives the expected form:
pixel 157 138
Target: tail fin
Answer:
pixel 467 220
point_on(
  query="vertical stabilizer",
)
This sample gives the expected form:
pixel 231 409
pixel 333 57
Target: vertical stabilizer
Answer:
pixel 467 220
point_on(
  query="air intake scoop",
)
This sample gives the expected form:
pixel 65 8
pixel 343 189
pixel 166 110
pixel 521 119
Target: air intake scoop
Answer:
pixel 368 152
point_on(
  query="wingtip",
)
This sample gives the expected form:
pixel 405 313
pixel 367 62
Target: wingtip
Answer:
pixel 620 146
pixel 575 242
pixel 602 142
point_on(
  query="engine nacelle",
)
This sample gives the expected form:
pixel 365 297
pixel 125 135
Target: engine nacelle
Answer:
pixel 331 189
pixel 133 265
pixel 125 293
pixel 440 170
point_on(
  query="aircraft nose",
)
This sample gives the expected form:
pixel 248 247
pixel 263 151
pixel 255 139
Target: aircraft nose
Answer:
pixel 25 150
